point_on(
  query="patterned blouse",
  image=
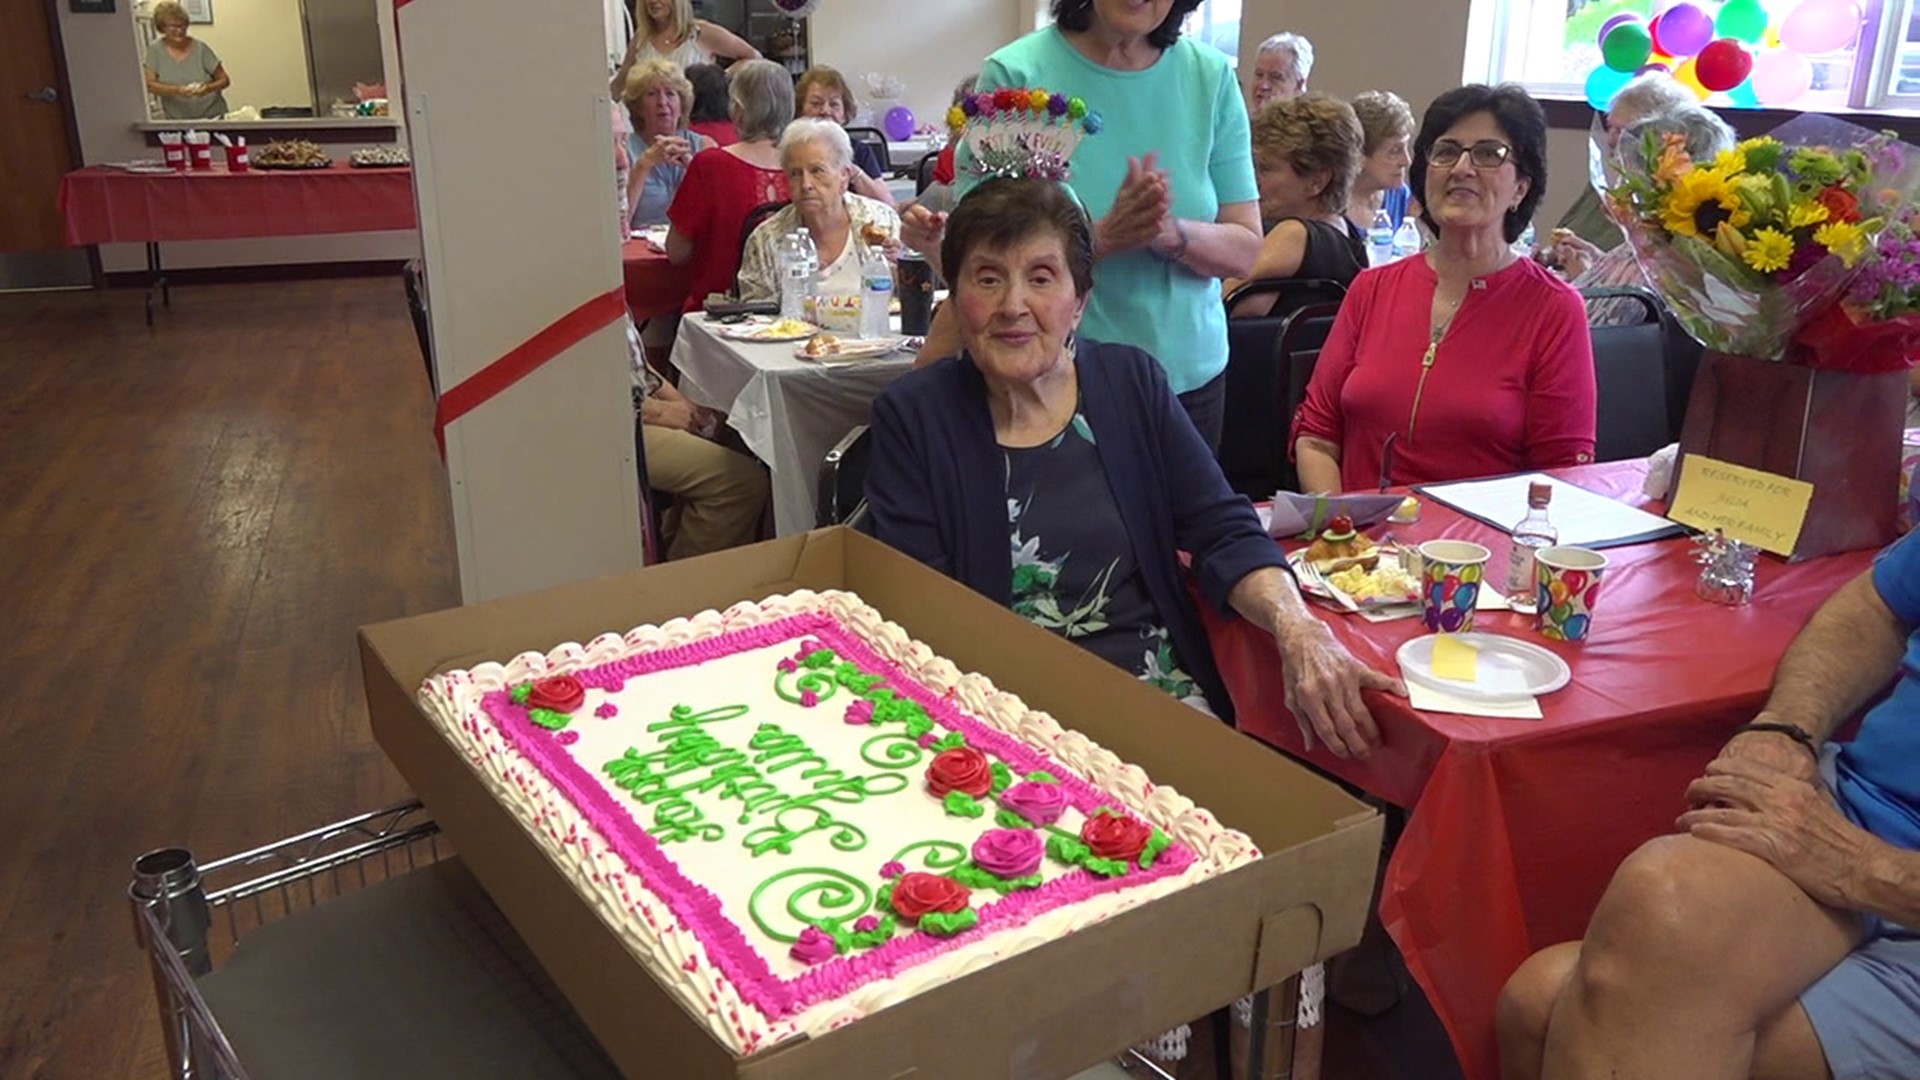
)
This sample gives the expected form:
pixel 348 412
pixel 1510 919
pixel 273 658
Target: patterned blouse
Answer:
pixel 759 268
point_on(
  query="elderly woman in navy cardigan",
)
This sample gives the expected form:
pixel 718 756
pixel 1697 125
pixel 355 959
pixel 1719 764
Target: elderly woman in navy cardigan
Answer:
pixel 1060 477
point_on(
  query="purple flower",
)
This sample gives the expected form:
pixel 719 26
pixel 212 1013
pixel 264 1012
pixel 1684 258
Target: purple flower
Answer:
pixel 892 870
pixel 866 924
pixel 814 946
pixel 1057 105
pixel 1041 804
pixel 607 710
pixel 1008 853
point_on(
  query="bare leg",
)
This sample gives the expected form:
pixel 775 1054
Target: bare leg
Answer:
pixel 1694 949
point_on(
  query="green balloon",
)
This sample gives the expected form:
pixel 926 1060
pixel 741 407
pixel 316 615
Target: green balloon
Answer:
pixel 1627 46
pixel 1742 19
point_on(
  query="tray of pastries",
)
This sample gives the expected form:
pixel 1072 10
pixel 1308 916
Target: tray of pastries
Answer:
pixel 289 154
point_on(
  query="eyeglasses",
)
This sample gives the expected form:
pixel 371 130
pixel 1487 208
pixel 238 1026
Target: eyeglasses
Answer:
pixel 1485 154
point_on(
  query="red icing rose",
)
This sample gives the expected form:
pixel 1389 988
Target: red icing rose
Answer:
pixel 915 895
pixel 562 694
pixel 961 769
pixel 1111 836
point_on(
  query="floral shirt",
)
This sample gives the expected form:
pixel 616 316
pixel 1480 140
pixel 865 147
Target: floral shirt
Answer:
pixel 759 266
pixel 1073 571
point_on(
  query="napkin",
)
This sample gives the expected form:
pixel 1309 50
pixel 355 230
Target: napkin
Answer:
pixel 1427 699
pixel 1304 515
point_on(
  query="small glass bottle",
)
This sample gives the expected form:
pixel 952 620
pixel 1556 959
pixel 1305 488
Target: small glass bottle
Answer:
pixel 1530 534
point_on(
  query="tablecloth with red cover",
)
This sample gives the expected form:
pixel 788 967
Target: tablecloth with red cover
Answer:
pixel 654 285
pixel 104 205
pixel 1516 826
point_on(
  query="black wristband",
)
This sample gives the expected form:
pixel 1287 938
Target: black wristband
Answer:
pixel 1797 734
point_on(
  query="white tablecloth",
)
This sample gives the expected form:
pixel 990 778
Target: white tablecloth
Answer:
pixel 788 411
pixel 902 154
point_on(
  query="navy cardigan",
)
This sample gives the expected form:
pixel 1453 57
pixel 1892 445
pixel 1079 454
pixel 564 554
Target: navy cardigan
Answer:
pixel 937 489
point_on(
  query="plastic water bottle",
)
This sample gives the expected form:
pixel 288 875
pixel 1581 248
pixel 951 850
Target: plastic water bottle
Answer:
pixel 810 263
pixel 1406 240
pixel 1380 239
pixel 876 294
pixel 793 277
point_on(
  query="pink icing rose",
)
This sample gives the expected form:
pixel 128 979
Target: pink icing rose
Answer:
pixel 860 712
pixel 607 710
pixel 568 738
pixel 1039 803
pixel 788 666
pixel 814 946
pixel 1008 853
pixel 809 699
pixel 892 870
pixel 866 924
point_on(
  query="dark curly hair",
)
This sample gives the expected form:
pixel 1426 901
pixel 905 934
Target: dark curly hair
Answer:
pixel 1077 15
pixel 1518 116
pixel 1010 210
pixel 709 94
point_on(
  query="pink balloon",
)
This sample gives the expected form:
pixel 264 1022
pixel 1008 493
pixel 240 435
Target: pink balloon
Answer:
pixel 1821 26
pixel 1780 76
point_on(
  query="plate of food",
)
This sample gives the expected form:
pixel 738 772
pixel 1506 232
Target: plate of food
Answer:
pixel 1340 546
pixel 1384 588
pixel 289 154
pixel 380 157
pixel 766 330
pixel 831 348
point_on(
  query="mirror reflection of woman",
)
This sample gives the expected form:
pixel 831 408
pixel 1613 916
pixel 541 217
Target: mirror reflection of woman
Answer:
pixel 182 72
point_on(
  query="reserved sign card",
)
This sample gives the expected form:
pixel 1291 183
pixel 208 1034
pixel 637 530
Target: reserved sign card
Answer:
pixel 1748 505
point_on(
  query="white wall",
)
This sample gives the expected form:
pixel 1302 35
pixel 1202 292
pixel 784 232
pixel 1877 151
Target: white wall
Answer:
pixel 109 98
pixel 1360 45
pixel 265 54
pixel 931 46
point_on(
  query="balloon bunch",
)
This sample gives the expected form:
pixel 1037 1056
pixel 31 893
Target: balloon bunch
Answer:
pixel 1755 57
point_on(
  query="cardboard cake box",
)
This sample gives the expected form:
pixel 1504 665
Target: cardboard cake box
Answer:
pixel 1040 1015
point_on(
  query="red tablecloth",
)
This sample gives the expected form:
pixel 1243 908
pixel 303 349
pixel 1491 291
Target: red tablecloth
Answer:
pixel 654 285
pixel 1517 825
pixel 104 205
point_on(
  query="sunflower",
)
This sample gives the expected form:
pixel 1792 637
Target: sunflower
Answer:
pixel 1700 201
pixel 1731 162
pixel 1769 250
pixel 1843 238
pixel 1763 154
pixel 1803 213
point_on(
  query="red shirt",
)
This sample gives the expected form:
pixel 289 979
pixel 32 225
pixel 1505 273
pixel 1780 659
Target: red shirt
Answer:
pixel 710 209
pixel 1511 386
pixel 722 132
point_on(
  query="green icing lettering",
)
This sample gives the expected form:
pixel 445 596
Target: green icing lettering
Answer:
pixel 819 894
pixel 678 819
pixel 794 822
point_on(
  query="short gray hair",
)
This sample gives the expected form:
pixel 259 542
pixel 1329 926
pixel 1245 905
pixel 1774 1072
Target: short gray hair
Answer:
pixel 1706 134
pixel 1654 92
pixel 812 129
pixel 1299 47
pixel 761 93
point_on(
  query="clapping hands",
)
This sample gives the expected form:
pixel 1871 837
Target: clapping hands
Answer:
pixel 1142 213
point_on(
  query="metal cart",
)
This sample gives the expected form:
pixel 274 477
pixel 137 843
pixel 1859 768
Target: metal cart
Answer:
pixel 365 949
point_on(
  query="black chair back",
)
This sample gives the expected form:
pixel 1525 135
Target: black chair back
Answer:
pixel 877 139
pixel 754 219
pixel 1302 336
pixel 843 480
pixel 1630 372
pixel 923 172
pixel 1253 439
pixel 1683 363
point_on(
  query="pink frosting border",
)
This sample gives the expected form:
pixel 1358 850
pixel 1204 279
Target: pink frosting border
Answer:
pixel 701 911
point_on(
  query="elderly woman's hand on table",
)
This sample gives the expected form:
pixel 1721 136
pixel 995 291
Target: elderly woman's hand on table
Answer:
pixel 1323 679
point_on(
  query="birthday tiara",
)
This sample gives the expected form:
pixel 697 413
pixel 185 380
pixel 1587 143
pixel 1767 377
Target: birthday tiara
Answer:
pixel 1022 133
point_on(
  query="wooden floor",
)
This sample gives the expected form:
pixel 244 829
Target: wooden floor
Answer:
pixel 193 520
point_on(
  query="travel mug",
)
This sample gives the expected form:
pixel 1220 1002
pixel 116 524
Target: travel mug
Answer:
pixel 916 294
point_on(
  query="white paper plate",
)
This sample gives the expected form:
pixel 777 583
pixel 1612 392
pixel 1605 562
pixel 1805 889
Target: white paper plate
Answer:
pixel 757 329
pixel 852 349
pixel 1508 668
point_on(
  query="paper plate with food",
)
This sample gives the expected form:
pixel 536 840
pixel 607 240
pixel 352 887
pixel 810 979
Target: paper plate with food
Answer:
pixel 831 348
pixel 767 330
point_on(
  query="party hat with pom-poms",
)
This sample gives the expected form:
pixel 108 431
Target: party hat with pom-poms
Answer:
pixel 1021 132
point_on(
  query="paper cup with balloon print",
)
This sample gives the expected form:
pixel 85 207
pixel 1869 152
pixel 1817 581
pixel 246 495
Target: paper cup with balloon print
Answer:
pixel 1451 577
pixel 1567 580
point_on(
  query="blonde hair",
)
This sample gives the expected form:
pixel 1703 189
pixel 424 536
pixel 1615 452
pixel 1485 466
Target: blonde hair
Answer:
pixel 683 23
pixel 1313 133
pixel 651 73
pixel 167 12
pixel 1383 115
pixel 822 77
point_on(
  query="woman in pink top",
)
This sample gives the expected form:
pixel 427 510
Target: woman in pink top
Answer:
pixel 1473 360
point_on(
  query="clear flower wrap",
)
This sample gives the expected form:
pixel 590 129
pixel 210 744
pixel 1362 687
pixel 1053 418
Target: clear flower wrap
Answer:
pixel 1752 247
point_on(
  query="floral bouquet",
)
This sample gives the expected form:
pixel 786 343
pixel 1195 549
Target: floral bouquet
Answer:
pixel 1876 326
pixel 1750 248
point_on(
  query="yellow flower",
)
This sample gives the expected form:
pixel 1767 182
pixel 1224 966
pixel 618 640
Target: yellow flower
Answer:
pixel 1803 213
pixel 1701 200
pixel 956 119
pixel 1844 238
pixel 1769 250
pixel 1731 161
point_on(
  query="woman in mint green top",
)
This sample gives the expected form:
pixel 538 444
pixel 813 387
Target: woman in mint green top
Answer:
pixel 1169 178
pixel 182 71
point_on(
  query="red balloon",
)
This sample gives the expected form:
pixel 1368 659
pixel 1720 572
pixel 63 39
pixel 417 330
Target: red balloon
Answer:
pixel 1723 64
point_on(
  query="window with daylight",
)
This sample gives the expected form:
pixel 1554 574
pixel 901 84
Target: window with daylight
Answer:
pixel 1808 60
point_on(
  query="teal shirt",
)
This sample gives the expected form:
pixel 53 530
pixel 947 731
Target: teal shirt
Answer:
pixel 1187 108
